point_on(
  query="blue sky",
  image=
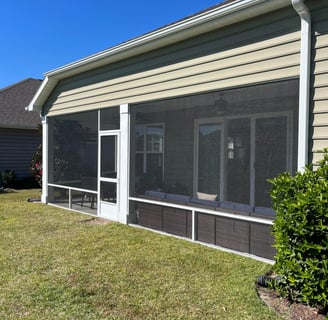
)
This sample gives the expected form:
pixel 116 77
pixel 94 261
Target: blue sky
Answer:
pixel 39 36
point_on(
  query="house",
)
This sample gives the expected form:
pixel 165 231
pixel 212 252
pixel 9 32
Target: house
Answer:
pixel 178 130
pixel 19 132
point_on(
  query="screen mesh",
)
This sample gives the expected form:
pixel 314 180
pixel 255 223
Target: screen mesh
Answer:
pixel 218 147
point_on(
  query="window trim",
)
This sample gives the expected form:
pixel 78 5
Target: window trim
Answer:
pixel 145 152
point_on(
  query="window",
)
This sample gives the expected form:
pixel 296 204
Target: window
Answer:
pixel 149 154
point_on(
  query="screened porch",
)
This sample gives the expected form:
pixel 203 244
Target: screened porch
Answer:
pixel 194 158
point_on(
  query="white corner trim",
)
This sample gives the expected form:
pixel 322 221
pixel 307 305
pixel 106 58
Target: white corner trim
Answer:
pixel 304 87
pixel 44 197
pixel 124 163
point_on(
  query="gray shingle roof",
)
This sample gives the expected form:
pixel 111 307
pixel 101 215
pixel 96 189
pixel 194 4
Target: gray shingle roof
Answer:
pixel 13 100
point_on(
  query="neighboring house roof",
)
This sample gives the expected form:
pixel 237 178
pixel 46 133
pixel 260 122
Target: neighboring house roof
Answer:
pixel 13 101
pixel 218 16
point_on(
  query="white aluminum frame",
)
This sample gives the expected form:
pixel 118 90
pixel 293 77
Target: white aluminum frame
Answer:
pixel 124 183
pixel 70 198
pixel 223 214
pixel 45 137
pixel 113 208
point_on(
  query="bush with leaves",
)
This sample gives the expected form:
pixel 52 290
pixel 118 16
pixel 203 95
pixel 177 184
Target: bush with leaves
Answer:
pixel 301 234
pixel 8 177
pixel 36 165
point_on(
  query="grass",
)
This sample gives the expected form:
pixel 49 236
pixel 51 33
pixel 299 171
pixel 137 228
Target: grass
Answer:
pixel 54 265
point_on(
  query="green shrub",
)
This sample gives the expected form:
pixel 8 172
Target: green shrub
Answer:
pixel 8 177
pixel 301 234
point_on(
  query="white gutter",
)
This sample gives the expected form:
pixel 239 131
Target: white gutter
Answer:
pixel 222 16
pixel 206 21
pixel 203 22
pixel 304 88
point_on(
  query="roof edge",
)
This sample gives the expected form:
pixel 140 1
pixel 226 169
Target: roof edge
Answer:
pixel 215 17
pixel 16 84
pixel 8 127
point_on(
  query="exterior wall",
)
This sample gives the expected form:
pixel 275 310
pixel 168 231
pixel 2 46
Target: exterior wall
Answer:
pixel 16 150
pixel 261 50
pixel 319 103
pixel 238 55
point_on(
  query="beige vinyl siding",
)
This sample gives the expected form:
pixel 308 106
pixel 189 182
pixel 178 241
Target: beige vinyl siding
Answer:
pixel 16 150
pixel 265 49
pixel 225 65
pixel 319 123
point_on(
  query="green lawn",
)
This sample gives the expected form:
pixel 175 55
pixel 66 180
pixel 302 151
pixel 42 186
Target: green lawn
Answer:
pixel 56 265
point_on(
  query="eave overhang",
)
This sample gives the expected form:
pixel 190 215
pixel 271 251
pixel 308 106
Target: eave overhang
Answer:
pixel 198 24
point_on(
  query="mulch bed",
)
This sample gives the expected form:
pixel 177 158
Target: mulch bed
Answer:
pixel 287 309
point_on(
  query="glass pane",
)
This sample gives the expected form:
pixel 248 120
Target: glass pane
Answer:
pixel 238 160
pixel 108 191
pixel 270 155
pixel 155 138
pixel 209 151
pixel 140 138
pixel 108 157
pixel 110 119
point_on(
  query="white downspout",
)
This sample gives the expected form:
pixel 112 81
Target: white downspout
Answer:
pixel 304 87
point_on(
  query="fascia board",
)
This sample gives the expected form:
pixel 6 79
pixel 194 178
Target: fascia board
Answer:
pixel 42 94
pixel 195 25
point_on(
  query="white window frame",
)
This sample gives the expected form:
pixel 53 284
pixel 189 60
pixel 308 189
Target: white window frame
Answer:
pixel 145 152
pixel 116 134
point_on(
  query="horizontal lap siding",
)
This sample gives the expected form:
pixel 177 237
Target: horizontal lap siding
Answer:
pixel 16 150
pixel 320 79
pixel 231 58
